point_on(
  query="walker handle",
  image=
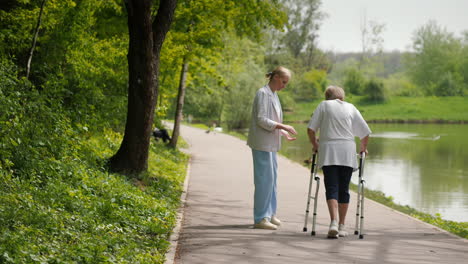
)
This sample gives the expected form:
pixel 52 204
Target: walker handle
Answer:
pixel 312 168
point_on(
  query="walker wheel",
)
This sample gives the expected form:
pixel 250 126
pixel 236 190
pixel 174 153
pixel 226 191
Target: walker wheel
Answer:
pixel 305 229
pixel 361 236
pixel 312 233
pixel 356 232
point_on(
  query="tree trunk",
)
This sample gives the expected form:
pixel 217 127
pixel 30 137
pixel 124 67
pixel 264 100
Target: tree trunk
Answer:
pixel 146 38
pixel 180 103
pixel 132 156
pixel 33 46
pixel 161 25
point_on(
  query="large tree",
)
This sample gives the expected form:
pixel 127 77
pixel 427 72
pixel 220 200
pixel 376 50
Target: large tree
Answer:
pixel 304 23
pixel 437 62
pixel 371 56
pixel 200 25
pixel 299 36
pixel 146 38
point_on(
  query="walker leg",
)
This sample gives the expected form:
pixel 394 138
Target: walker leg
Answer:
pixel 314 219
pixel 312 170
pixel 308 205
pixel 361 227
pixel 358 202
pixel 361 196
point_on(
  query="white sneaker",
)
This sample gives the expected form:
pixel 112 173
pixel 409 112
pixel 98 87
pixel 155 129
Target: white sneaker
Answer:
pixel 333 231
pixel 341 231
pixel 274 220
pixel 265 224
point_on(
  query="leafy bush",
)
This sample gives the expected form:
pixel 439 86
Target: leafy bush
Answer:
pixel 34 129
pixel 239 101
pixel 449 85
pixel 375 91
pixel 310 85
pixel 201 101
pixel 354 82
pixel 399 85
pixel 287 101
pixel 77 61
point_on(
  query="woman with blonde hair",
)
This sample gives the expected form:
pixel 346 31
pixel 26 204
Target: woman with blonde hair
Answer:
pixel 264 139
pixel 339 123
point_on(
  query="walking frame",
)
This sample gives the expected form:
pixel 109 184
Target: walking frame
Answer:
pixel 359 228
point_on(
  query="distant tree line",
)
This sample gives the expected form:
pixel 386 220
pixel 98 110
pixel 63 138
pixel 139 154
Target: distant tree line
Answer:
pixel 437 66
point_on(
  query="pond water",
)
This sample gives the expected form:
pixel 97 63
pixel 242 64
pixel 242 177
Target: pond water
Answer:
pixel 424 166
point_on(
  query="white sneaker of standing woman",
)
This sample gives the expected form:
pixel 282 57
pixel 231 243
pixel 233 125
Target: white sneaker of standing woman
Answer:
pixel 274 220
pixel 265 224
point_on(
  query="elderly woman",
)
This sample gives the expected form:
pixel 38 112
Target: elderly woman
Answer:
pixel 339 123
pixel 264 139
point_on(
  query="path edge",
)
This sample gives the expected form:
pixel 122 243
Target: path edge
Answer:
pixel 171 254
pixel 420 221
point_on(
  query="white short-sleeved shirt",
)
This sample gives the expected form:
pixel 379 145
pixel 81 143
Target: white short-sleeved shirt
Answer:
pixel 339 123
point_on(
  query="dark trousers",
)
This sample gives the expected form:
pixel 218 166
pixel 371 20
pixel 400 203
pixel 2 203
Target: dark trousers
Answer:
pixel 337 180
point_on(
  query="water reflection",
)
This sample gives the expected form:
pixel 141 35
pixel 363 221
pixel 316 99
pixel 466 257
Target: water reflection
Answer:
pixel 422 165
pixel 404 135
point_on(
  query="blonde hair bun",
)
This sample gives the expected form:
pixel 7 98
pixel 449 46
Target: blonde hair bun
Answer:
pixel 280 70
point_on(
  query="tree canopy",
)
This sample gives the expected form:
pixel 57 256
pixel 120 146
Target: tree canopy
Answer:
pixel 439 62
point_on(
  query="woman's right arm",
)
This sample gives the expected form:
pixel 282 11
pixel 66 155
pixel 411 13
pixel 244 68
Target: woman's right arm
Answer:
pixel 361 130
pixel 262 102
pixel 363 147
pixel 287 128
pixel 313 140
pixel 313 126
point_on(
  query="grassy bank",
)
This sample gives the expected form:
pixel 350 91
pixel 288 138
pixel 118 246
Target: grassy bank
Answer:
pixel 76 212
pixel 457 228
pixel 397 109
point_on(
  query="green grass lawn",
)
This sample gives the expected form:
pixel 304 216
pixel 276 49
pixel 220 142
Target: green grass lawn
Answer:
pixel 397 109
pixel 74 211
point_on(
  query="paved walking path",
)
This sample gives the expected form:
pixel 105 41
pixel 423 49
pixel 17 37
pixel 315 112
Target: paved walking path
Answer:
pixel 217 221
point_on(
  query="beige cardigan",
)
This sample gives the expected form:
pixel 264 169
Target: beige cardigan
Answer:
pixel 265 116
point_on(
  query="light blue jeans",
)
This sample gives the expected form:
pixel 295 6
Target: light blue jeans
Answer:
pixel 265 174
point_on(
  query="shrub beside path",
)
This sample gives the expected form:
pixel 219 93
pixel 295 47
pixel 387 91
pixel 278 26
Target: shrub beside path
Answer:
pixel 217 218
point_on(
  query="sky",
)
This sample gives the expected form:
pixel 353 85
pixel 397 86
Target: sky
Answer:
pixel 340 30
